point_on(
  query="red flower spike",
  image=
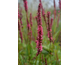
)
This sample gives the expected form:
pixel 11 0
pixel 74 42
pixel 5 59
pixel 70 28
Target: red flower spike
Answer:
pixel 49 28
pixel 25 5
pixel 40 31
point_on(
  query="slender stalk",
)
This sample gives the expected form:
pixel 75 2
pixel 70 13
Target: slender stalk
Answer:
pixel 40 59
pixel 50 51
pixel 36 61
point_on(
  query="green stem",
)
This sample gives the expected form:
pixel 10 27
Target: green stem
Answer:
pixel 40 59
pixel 50 52
pixel 36 61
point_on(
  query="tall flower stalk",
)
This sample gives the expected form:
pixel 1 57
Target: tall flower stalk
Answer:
pixel 40 31
pixel 25 5
pixel 20 32
pixel 60 4
pixel 43 14
pixel 19 26
pixel 28 23
pixel 54 9
pixel 31 19
pixel 29 31
pixel 49 27
pixel 58 20
pixel 21 17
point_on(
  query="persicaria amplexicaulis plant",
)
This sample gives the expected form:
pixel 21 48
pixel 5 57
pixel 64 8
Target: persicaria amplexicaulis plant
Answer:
pixel 44 16
pixel 54 10
pixel 49 27
pixel 20 13
pixel 25 5
pixel 58 20
pixel 20 26
pixel 51 22
pixel 29 30
pixel 31 19
pixel 28 24
pixel 20 32
pixel 60 4
pixel 43 13
pixel 40 31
